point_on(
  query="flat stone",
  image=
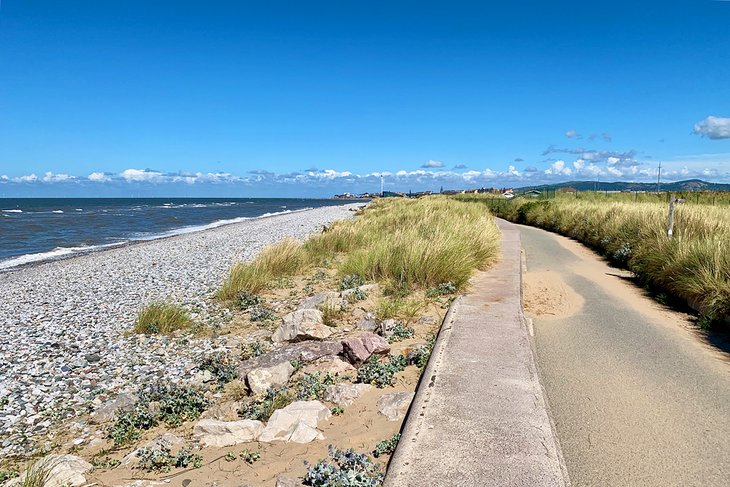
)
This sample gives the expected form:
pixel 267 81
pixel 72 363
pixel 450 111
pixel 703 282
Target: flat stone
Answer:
pixel 210 432
pixel 394 406
pixel 332 365
pixel 321 299
pixel 261 380
pixel 109 409
pixel 305 324
pixel 359 349
pixel 345 394
pixel 367 323
pixel 64 470
pixel 304 351
pixel 297 423
pixel 285 481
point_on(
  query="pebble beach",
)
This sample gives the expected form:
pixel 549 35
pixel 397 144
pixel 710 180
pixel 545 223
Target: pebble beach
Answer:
pixel 64 345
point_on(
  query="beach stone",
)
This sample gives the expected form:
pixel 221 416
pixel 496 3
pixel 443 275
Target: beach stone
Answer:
pixel 345 394
pixel 284 481
pixel 64 470
pixel 386 328
pixel 225 411
pixel 367 323
pixel 321 299
pixel 296 423
pixel 394 406
pixel 305 324
pixel 359 349
pixel 211 432
pixel 331 365
pixel 305 351
pixel 261 380
pixel 109 409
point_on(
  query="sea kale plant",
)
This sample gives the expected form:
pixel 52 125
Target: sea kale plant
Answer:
pixel 160 459
pixel 344 468
pixel 443 289
pixel 262 409
pixel 261 313
pixel 253 350
pixel 351 281
pixel 221 365
pixel 381 373
pixel 386 447
pixel 400 332
pixel 248 300
pixel 311 387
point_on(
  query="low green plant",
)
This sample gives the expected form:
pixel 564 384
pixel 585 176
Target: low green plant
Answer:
pixel 297 364
pixel 261 409
pixel 331 313
pixel 261 313
pixel 254 349
pixel 388 308
pixel 37 474
pixel 337 410
pixel 8 474
pixel 351 281
pixel 161 318
pixel 386 447
pixel 312 386
pixel 419 356
pixel 221 365
pixel 129 425
pixel 401 332
pixel 344 468
pixel 381 372
pixel 356 295
pixel 230 457
pixel 443 289
pixel 105 462
pixel 160 459
pixel 250 456
pixel 248 300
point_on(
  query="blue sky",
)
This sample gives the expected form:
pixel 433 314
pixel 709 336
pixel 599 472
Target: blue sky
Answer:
pixel 311 98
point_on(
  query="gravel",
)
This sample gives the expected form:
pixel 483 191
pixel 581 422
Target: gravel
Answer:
pixel 64 349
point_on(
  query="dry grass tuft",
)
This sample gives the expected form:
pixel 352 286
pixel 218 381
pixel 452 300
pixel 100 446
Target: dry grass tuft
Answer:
pixel 161 318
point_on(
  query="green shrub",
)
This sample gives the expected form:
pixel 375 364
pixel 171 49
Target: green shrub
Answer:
pixel 312 386
pixel 248 300
pixel 443 289
pixel 386 447
pixel 345 468
pixel 261 313
pixel 160 459
pixel 161 318
pixel 262 409
pixel 221 365
pixel 250 456
pixel 401 332
pixel 351 281
pixel 381 373
pixel 128 425
pixel 254 349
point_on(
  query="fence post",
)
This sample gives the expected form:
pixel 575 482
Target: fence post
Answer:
pixel 670 224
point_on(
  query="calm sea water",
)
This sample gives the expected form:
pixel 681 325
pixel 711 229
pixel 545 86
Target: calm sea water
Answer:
pixel 36 229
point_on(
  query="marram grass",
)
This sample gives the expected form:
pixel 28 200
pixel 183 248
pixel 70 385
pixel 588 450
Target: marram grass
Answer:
pixel 161 318
pixel 694 265
pixel 411 243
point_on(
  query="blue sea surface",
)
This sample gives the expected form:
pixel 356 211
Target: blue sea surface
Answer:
pixel 36 229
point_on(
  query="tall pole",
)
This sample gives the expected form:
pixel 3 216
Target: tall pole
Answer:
pixel 658 178
pixel 381 184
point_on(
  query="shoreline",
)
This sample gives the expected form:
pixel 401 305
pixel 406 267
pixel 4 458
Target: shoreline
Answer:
pixel 64 320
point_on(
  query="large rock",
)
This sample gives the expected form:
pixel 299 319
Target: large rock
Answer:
pixel 303 351
pixel 367 323
pixel 304 324
pixel 394 406
pixel 63 470
pixel 109 409
pixel 327 298
pixel 296 423
pixel 359 349
pixel 329 365
pixel 345 394
pixel 225 411
pixel 211 432
pixel 261 380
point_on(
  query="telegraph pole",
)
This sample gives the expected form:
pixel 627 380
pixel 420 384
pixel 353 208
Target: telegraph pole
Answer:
pixel 381 185
pixel 658 178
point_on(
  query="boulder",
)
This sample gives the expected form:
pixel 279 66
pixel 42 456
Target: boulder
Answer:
pixel 394 406
pixel 296 423
pixel 304 351
pixel 63 470
pixel 359 349
pixel 305 324
pixel 225 411
pixel 261 380
pixel 367 323
pixel 211 432
pixel 109 409
pixel 345 394
pixel 332 365
pixel 322 299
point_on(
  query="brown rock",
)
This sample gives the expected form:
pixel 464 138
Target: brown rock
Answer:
pixel 359 349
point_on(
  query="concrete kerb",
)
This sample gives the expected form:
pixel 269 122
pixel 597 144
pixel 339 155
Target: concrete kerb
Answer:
pixel 407 465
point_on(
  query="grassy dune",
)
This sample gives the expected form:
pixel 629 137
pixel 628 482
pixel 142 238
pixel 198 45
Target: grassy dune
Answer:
pixel 408 244
pixel 694 265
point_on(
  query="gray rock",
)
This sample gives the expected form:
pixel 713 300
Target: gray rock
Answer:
pixel 394 406
pixel 304 351
pixel 296 423
pixel 367 323
pixel 225 411
pixel 210 432
pixel 63 470
pixel 321 299
pixel 331 365
pixel 285 481
pixel 305 324
pixel 260 380
pixel 110 408
pixel 345 394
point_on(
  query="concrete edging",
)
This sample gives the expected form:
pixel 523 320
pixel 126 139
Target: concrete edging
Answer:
pixel 480 414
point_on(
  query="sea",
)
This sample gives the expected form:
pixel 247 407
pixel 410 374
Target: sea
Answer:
pixel 38 229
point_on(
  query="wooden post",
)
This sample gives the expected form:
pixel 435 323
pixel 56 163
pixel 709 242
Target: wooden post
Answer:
pixel 670 224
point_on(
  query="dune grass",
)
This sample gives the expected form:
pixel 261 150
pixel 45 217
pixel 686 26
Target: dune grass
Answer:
pixel 410 244
pixel 694 265
pixel 161 318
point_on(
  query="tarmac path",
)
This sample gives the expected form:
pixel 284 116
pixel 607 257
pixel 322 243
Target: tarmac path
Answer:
pixel 638 398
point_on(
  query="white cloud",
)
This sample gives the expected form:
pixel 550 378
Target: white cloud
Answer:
pixel 572 134
pixel 142 175
pixel 30 178
pixel 50 177
pixel 4 178
pixel 433 164
pixel 558 167
pixel 713 128
pixel 98 177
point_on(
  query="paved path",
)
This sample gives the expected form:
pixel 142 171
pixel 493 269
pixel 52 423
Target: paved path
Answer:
pixel 479 417
pixel 636 398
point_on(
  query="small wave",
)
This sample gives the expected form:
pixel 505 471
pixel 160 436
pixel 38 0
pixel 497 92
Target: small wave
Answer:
pixel 53 254
pixel 57 211
pixel 79 209
pixel 12 211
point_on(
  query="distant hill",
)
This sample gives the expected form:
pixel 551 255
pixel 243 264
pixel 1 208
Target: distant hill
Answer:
pixel 688 185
